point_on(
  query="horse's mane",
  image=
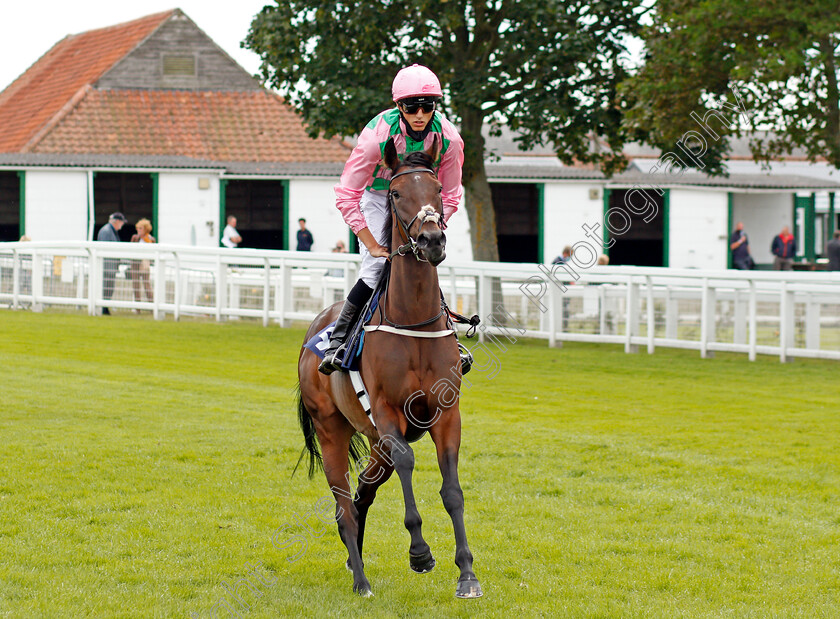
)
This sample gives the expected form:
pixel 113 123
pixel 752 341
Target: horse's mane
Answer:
pixel 417 159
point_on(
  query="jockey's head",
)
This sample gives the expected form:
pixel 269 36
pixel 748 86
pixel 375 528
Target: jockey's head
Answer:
pixel 416 90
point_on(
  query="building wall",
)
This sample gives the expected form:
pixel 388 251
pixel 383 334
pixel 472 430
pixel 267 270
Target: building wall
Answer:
pixel 566 209
pixel 178 37
pixel 697 235
pixel 56 205
pixel 56 208
pixel 763 215
pixel 314 200
pixel 187 214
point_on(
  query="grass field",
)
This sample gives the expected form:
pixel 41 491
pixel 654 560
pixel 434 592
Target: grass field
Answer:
pixel 143 464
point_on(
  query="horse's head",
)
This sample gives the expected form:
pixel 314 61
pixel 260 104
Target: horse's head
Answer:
pixel 414 195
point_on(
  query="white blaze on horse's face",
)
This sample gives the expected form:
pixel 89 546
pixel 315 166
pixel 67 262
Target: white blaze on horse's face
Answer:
pixel 428 213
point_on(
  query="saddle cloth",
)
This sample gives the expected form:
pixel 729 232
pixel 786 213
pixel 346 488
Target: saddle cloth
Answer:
pixel 319 342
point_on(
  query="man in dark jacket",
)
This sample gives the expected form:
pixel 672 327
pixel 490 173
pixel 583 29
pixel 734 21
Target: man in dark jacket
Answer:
pixel 304 237
pixel 784 248
pixel 740 246
pixel 832 250
pixel 110 233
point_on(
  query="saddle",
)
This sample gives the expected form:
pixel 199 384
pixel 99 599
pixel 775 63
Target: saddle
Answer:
pixel 354 344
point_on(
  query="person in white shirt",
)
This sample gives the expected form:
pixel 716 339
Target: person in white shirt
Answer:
pixel 230 237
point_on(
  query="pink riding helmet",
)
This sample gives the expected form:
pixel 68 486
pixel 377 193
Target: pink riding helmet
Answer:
pixel 415 81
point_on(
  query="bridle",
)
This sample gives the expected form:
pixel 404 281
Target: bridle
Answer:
pixel 425 214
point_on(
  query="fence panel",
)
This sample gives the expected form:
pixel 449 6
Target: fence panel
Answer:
pixel 788 314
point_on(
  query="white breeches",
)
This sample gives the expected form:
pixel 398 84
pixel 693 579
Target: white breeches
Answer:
pixel 374 205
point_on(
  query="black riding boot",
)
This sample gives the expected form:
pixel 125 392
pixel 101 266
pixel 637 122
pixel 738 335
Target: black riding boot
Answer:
pixel 332 359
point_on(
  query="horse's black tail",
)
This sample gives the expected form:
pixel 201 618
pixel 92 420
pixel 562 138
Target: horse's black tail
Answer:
pixel 310 438
pixel 358 447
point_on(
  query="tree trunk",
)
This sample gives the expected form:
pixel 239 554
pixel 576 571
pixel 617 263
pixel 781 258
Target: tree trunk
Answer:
pixel 832 100
pixel 478 200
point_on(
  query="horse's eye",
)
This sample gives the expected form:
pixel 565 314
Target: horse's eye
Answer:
pixel 440 189
pixel 395 195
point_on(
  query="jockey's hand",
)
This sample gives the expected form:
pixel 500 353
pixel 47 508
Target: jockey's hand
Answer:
pixel 379 251
pixel 376 250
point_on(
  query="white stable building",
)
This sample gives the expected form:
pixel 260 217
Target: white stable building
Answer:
pixel 156 121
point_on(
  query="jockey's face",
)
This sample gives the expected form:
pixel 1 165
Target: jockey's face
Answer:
pixel 419 119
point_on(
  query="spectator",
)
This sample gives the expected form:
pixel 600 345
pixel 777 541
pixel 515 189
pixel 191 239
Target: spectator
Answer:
pixel 603 260
pixel 784 248
pixel 110 233
pixel 338 249
pixel 304 237
pixel 230 237
pixel 567 253
pixel 740 246
pixel 140 268
pixel 833 252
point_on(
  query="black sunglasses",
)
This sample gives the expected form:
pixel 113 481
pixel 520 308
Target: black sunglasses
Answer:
pixel 411 108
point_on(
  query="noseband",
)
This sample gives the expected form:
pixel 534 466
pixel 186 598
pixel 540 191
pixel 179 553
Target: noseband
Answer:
pixel 425 214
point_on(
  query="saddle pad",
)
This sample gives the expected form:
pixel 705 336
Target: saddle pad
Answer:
pixel 319 342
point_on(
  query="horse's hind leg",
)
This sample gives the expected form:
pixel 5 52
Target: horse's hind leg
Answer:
pixel 379 468
pixel 446 435
pixel 419 553
pixel 335 445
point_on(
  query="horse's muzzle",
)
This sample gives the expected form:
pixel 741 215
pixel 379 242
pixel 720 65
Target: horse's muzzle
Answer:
pixel 433 246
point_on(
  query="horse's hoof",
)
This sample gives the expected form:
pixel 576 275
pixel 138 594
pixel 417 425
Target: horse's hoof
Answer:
pixel 467 589
pixel 422 563
pixel 363 590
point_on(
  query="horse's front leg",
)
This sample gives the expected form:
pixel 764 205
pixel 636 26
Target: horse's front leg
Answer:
pixel 419 553
pixel 446 434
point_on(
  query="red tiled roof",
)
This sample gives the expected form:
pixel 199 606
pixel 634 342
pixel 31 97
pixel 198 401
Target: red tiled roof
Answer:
pixel 35 101
pixel 214 125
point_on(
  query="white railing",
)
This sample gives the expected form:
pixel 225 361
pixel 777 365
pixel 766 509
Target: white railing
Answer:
pixel 790 314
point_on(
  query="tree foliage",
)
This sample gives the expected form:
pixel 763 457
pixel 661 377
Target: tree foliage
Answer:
pixel 781 57
pixel 547 69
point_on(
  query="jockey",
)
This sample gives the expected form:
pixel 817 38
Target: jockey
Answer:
pixel 362 192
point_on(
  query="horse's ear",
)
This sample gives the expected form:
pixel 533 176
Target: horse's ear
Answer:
pixel 391 158
pixel 434 149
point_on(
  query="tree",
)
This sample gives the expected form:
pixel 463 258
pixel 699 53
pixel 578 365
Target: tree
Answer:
pixel 781 58
pixel 545 68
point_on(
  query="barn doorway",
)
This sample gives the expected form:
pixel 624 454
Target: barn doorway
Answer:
pixel 10 228
pixel 132 194
pixel 259 208
pixel 642 241
pixel 517 209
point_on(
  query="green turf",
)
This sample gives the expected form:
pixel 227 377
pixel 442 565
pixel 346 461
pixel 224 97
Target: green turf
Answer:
pixel 143 464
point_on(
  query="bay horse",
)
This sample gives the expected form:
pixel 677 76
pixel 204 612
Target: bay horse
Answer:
pixel 411 368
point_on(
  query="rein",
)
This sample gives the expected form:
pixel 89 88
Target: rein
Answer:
pixel 399 329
